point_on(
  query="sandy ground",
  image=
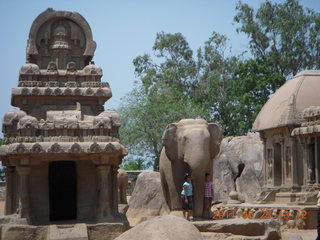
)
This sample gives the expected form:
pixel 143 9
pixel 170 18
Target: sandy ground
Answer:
pixel 305 234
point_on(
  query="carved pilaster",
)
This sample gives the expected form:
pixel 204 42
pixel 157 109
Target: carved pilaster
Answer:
pixel 115 189
pixel 104 186
pixel 24 202
pixel 9 190
pixel 305 163
pixel 283 177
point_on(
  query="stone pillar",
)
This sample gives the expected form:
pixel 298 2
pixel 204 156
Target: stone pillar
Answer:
pixel 288 164
pixel 283 172
pixel 115 190
pixel 294 165
pixel 306 179
pixel 104 198
pixel 265 165
pixel 9 190
pixel 24 202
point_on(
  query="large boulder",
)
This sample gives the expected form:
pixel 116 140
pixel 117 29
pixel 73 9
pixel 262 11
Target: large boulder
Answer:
pixel 163 228
pixel 147 198
pixel 234 152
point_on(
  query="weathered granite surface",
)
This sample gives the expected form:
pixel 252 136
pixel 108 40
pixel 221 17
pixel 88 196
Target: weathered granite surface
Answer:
pixel 247 150
pixel 147 198
pixel 163 228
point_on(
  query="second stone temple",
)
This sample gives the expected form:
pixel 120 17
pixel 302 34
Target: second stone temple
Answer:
pixel 61 149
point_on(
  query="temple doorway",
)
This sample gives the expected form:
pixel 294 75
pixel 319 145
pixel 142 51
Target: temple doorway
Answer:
pixel 277 165
pixel 62 190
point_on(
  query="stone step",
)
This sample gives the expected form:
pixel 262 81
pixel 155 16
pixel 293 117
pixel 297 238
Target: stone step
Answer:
pixel 68 232
pixel 247 228
pixel 229 236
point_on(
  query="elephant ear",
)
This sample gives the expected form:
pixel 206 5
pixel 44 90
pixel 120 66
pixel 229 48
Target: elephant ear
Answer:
pixel 169 140
pixel 216 136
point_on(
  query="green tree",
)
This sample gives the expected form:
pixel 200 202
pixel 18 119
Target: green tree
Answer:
pixel 286 35
pixel 283 40
pixel 160 97
pixel 133 163
pixel 251 86
pixel 215 71
pixel 173 67
pixel 145 116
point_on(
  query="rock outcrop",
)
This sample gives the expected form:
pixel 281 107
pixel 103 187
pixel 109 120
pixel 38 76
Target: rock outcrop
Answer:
pixel 245 151
pixel 163 228
pixel 147 198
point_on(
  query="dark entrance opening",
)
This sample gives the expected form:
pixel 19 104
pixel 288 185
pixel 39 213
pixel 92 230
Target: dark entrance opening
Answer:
pixel 62 190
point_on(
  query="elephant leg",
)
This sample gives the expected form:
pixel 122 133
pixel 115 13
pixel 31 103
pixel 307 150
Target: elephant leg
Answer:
pixel 123 196
pixel 174 194
pixel 170 192
pixel 120 193
pixel 165 190
pixel 198 194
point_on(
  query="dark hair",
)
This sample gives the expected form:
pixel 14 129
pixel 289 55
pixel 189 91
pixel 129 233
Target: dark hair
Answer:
pixel 207 174
pixel 186 176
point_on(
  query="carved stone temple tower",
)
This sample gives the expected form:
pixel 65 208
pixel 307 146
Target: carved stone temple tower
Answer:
pixel 61 150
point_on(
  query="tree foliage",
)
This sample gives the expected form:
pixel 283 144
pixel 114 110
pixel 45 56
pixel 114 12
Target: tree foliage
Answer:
pixel 286 34
pixel 215 72
pixel 160 98
pixel 174 83
pixel 251 86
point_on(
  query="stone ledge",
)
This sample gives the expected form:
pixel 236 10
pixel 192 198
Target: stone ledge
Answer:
pixel 62 91
pixel 238 226
pixel 62 147
pixel 99 231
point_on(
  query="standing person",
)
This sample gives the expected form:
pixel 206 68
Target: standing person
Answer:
pixel 186 197
pixel 208 195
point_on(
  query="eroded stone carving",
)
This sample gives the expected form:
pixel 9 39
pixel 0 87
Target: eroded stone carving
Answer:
pixel 62 131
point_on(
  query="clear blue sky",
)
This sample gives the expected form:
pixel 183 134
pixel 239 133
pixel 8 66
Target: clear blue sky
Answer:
pixel 123 30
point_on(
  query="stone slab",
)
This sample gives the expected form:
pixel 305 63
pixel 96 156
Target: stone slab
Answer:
pixel 23 232
pixel 239 226
pixel 106 231
pixel 68 232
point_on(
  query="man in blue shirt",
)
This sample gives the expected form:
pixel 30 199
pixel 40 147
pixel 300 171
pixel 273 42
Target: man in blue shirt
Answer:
pixel 187 197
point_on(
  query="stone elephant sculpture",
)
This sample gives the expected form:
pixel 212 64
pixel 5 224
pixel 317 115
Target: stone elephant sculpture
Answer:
pixel 122 186
pixel 189 146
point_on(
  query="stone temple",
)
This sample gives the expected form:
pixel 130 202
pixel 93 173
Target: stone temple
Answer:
pixel 61 149
pixel 289 125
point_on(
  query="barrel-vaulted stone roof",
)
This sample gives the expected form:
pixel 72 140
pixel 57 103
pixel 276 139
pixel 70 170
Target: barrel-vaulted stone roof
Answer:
pixel 286 105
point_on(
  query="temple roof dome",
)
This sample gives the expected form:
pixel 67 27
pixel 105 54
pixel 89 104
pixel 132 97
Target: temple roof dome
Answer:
pixel 286 105
pixel 30 68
